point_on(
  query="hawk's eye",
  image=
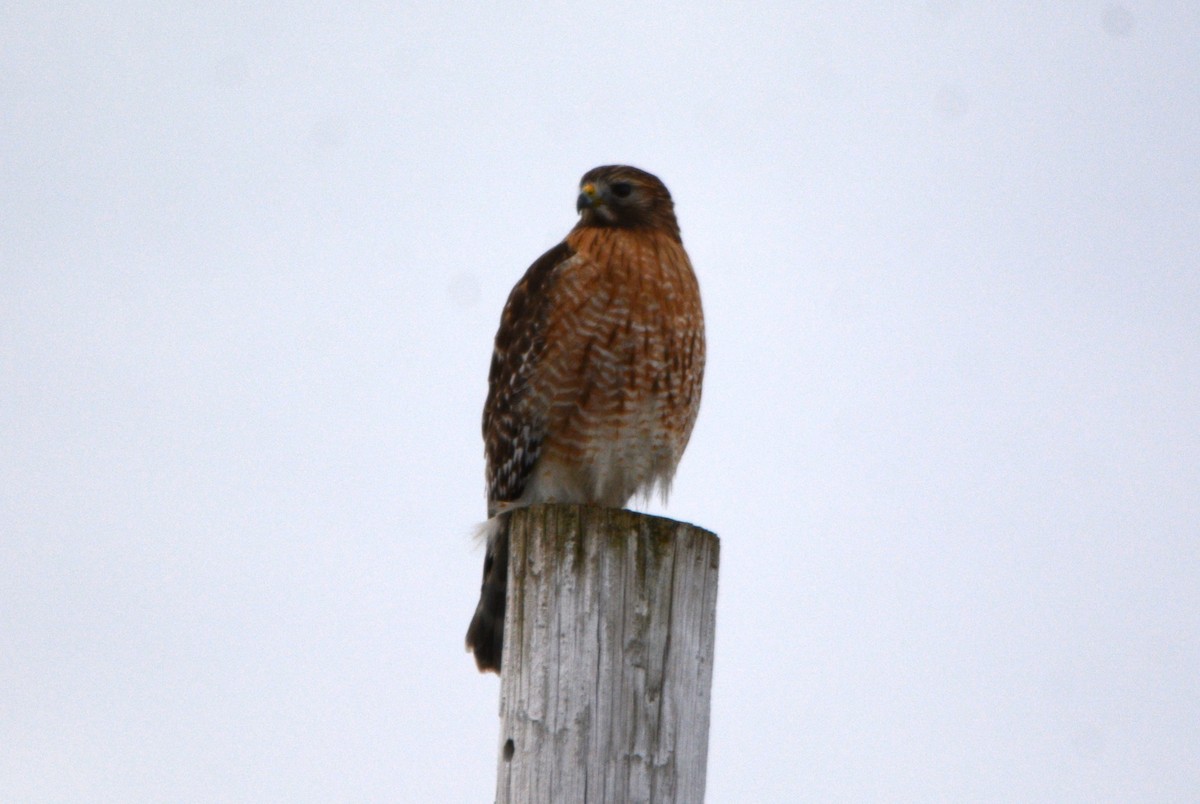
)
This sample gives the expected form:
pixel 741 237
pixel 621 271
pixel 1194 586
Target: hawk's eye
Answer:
pixel 622 189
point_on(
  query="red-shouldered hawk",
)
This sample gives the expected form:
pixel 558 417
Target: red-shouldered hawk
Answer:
pixel 596 373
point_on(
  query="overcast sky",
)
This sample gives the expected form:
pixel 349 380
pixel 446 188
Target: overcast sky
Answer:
pixel 252 260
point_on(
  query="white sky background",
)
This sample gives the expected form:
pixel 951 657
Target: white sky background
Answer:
pixel 252 264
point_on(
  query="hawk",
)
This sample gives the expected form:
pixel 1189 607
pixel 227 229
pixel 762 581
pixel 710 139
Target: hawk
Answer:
pixel 596 372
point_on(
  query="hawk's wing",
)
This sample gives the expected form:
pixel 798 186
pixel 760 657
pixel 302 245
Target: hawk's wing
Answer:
pixel 514 423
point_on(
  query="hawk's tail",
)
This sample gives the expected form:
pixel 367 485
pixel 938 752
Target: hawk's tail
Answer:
pixel 485 636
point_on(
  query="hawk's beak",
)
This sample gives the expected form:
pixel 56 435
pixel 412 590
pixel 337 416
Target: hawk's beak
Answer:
pixel 587 198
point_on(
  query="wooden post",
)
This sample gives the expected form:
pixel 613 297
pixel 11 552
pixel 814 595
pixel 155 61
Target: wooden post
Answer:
pixel 608 655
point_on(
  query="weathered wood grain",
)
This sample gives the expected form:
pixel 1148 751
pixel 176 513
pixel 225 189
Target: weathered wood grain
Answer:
pixel 608 651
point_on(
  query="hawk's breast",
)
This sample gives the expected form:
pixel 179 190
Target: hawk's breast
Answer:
pixel 620 379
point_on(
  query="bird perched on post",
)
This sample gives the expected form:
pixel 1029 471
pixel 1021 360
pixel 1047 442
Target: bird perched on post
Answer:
pixel 596 372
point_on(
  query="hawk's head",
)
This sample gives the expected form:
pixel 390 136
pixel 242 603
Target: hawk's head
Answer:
pixel 627 198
